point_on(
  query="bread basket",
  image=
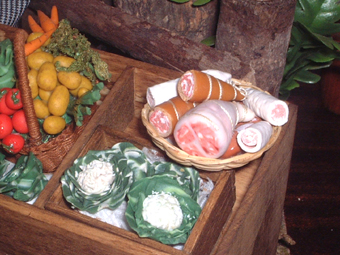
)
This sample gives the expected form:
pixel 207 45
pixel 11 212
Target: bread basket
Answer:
pixel 52 152
pixel 203 163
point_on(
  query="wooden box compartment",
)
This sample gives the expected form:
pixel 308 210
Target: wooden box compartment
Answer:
pixel 205 232
pixel 118 120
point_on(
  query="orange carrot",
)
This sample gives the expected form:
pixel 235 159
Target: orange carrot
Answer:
pixel 45 22
pixel 34 26
pixel 55 15
pixel 31 46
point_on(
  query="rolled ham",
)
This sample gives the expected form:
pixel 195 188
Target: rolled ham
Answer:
pixel 196 86
pixel 234 148
pixel 244 113
pixel 266 106
pixel 255 136
pixel 162 92
pixel 165 116
pixel 207 129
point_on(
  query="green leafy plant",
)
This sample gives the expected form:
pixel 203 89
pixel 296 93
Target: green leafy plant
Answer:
pixel 311 45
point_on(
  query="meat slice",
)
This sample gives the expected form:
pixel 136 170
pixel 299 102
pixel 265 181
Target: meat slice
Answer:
pixel 196 86
pixel 207 129
pixel 254 137
pixel 164 117
pixel 266 106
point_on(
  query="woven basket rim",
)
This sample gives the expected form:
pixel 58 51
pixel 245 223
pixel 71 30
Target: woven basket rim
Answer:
pixel 203 163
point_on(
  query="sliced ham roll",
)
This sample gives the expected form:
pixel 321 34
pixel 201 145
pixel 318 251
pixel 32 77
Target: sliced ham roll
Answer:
pixel 196 86
pixel 254 137
pixel 165 116
pixel 162 92
pixel 234 148
pixel 207 129
pixel 266 106
pixel 245 114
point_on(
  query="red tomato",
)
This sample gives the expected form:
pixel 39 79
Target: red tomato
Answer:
pixel 13 99
pixel 6 126
pixel 3 107
pixel 13 143
pixel 19 122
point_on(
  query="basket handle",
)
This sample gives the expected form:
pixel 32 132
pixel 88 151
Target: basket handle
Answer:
pixel 24 88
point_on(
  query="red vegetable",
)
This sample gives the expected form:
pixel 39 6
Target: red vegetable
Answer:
pixel 19 122
pixel 13 99
pixel 6 126
pixel 13 143
pixel 3 106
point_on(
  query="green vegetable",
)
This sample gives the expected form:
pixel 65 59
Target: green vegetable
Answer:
pixel 68 41
pixel 7 66
pixel 141 189
pixel 111 198
pixel 25 180
pixel 78 108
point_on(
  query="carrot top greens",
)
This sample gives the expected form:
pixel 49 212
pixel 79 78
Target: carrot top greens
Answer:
pixel 69 41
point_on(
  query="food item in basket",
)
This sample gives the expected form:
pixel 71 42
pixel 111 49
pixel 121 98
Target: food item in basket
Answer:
pixel 63 61
pixel 162 92
pixel 32 79
pixel 13 99
pixel 35 35
pixel 165 116
pixel 19 122
pixel 150 198
pixel 6 126
pixel 267 107
pixel 207 129
pixel 36 59
pixel 85 84
pixel 71 80
pixel 7 66
pixel 24 180
pixel 41 109
pixel 3 107
pixel 47 76
pixel 196 86
pixel 47 27
pixel 58 102
pixel 54 125
pixel 13 143
pixel 254 137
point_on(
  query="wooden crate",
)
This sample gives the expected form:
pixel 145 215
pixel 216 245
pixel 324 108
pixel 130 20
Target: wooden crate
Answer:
pixel 50 226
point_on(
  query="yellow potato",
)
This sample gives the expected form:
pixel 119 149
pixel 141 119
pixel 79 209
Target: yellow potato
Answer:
pixel 64 61
pixel 36 59
pixel 82 91
pixel 54 125
pixel 71 80
pixel 32 80
pixel 35 35
pixel 58 102
pixel 45 94
pixel 41 109
pixel 47 76
pixel 85 83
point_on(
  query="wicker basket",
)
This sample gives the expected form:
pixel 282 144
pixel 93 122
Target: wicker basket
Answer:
pixel 51 153
pixel 203 163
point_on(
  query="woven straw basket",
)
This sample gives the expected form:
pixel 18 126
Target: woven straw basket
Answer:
pixel 51 153
pixel 203 163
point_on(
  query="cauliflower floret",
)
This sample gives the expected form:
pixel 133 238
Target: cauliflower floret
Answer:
pixel 96 177
pixel 162 211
